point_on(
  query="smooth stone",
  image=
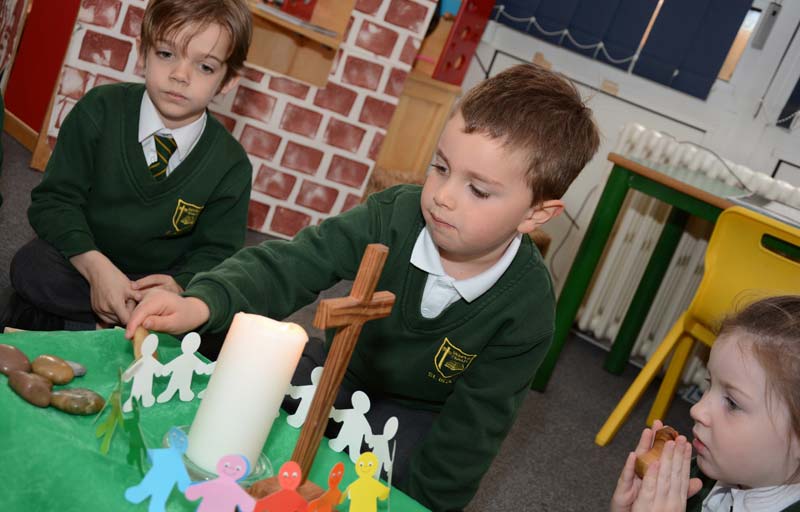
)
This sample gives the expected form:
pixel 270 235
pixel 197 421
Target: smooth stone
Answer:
pixel 53 368
pixel 32 387
pixel 77 368
pixel 77 401
pixel 12 358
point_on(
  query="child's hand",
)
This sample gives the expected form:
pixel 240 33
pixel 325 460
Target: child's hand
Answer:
pixel 164 311
pixel 110 289
pixel 154 281
pixel 666 484
pixel 628 484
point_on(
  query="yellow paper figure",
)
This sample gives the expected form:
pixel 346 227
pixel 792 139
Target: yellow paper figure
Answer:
pixel 366 490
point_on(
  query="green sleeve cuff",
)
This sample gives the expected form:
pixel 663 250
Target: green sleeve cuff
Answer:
pixel 183 279
pixel 74 243
pixel 216 298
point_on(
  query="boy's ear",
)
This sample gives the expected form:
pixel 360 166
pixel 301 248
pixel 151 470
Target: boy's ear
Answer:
pixel 230 84
pixel 540 214
pixel 140 57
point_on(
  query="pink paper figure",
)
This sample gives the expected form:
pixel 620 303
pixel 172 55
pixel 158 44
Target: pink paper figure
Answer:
pixel 183 369
pixel 305 394
pixel 224 493
pixel 333 495
pixel 142 372
pixel 287 499
pixel 366 490
pixel 379 443
pixel 354 426
pixel 167 470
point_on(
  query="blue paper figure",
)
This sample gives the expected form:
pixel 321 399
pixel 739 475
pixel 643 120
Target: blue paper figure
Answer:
pixel 167 471
pixel 223 493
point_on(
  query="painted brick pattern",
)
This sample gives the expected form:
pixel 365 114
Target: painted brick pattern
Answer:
pixel 274 183
pixel 312 149
pixel 103 13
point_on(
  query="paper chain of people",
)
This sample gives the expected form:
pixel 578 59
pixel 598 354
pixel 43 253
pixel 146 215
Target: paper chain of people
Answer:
pixel 224 492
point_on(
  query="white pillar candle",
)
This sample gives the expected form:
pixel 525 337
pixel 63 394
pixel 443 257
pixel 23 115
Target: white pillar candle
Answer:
pixel 253 372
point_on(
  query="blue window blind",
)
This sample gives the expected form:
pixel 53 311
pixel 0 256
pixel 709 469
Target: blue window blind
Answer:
pixel 626 31
pixel 589 24
pixel 685 50
pixel 689 42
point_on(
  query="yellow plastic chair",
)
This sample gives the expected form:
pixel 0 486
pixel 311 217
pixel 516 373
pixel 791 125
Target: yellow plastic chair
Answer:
pixel 749 256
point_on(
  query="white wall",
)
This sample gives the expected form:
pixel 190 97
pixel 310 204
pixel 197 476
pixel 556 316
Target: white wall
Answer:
pixel 726 122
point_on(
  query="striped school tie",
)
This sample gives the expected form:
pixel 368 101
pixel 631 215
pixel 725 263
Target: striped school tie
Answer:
pixel 165 146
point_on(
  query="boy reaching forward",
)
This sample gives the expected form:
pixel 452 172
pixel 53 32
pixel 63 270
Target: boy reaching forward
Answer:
pixel 144 188
pixel 474 311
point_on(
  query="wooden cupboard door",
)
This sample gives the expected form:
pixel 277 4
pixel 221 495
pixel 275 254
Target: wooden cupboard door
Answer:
pixel 413 133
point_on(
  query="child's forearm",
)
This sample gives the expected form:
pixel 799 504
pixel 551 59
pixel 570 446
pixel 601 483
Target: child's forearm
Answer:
pixel 91 264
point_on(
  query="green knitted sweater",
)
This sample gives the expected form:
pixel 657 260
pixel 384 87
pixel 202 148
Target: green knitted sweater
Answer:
pixel 97 192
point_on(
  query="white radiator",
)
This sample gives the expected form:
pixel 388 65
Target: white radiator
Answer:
pixel 637 230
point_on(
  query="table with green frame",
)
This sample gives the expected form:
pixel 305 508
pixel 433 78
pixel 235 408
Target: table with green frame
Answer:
pixel 50 460
pixel 688 193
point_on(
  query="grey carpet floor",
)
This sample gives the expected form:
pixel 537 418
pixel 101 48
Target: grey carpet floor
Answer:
pixel 548 462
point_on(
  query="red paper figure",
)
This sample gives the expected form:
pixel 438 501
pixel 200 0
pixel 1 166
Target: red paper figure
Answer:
pixel 333 495
pixel 287 499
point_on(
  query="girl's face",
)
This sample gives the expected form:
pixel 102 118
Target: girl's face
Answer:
pixel 742 432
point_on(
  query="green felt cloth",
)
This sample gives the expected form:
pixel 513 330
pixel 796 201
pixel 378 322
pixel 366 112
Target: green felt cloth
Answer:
pixel 50 460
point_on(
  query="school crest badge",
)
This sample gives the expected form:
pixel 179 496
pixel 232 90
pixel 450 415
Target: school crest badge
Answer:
pixel 185 216
pixel 451 361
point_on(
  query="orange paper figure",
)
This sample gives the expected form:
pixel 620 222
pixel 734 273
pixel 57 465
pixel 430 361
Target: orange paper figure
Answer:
pixel 287 499
pixel 365 491
pixel 333 495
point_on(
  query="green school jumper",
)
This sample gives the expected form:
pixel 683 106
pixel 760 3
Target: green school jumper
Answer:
pixel 97 192
pixel 473 363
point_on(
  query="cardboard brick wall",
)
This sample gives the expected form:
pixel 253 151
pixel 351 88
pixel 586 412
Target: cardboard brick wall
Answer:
pixel 312 149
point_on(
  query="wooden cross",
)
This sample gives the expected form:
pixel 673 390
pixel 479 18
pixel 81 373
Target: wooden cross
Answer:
pixel 348 314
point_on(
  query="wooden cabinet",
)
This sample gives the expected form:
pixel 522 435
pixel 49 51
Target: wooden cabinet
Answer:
pixel 301 50
pixel 421 114
pixel 413 133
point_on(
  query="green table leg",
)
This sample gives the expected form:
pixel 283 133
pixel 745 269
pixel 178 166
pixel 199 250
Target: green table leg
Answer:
pixel 646 292
pixel 580 274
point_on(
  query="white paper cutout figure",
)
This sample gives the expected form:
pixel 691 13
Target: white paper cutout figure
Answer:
pixel 380 444
pixel 209 370
pixel 354 426
pixel 142 372
pixel 305 394
pixel 183 369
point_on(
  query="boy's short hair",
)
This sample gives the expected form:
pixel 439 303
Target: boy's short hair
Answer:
pixel 163 19
pixel 541 113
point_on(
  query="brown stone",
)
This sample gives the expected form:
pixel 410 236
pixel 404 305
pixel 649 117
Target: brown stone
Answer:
pixel 80 401
pixel 53 368
pixel 12 358
pixel 32 387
